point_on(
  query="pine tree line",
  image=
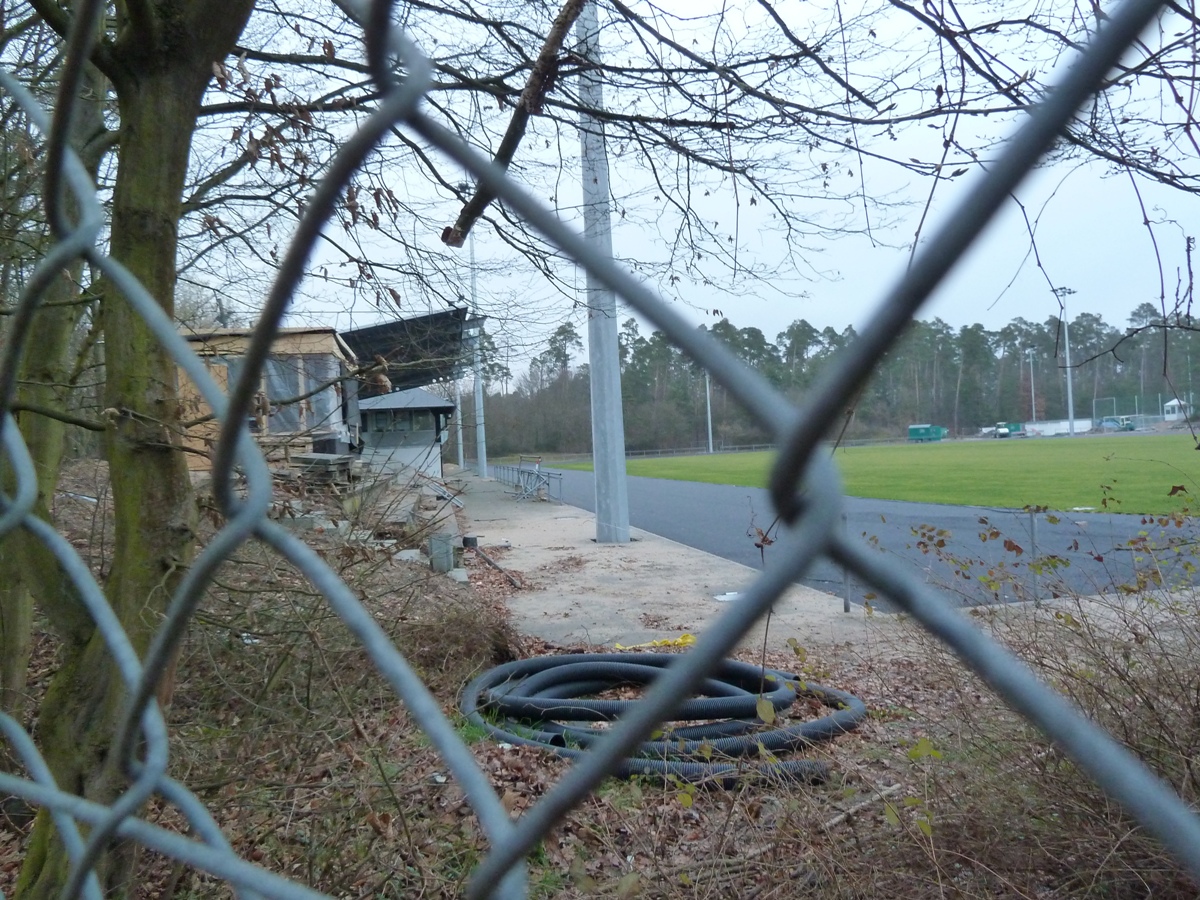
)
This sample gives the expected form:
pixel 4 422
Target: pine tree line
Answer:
pixel 963 379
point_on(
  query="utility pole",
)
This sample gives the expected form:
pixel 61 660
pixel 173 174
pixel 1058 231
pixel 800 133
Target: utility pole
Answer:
pixel 480 433
pixel 608 425
pixel 1070 394
pixel 481 466
pixel 462 463
pixel 1187 338
pixel 1032 395
pixel 708 406
pixel 1062 293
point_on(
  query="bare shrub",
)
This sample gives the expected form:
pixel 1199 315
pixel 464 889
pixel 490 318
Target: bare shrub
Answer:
pixel 1015 812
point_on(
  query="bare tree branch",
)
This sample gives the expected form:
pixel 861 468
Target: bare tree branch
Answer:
pixel 59 415
pixel 541 80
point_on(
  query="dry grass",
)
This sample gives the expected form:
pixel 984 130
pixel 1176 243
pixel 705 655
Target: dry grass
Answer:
pixel 314 769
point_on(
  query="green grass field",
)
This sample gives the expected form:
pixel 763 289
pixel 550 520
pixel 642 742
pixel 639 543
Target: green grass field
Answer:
pixel 1060 473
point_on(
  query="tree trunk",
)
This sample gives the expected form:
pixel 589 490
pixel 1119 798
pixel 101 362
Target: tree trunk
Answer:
pixel 150 486
pixel 43 382
pixel 159 78
pixel 28 571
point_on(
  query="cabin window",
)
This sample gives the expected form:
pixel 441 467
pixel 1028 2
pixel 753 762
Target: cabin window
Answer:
pixel 324 409
pixel 282 377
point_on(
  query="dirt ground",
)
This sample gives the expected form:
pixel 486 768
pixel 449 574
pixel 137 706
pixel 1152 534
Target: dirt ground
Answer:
pixel 904 797
pixel 579 592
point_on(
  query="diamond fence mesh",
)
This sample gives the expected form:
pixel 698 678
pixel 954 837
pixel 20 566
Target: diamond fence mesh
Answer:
pixel 804 488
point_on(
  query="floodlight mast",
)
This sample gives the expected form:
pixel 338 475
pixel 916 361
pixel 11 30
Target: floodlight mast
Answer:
pixel 1070 394
pixel 480 433
pixel 608 426
pixel 1062 293
pixel 1032 395
pixel 708 407
pixel 458 436
pixel 481 464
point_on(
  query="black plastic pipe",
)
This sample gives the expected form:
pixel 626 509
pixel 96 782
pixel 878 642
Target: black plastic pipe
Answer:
pixel 541 702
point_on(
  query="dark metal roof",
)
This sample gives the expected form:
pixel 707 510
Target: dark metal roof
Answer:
pixel 418 351
pixel 413 398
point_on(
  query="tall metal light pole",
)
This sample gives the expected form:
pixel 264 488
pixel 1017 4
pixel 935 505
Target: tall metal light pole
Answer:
pixel 1062 293
pixel 462 463
pixel 1187 337
pixel 1032 395
pixel 1070 393
pixel 608 426
pixel 480 434
pixel 708 406
pixel 481 466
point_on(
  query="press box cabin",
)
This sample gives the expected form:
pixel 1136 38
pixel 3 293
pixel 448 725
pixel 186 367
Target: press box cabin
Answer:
pixel 307 399
pixel 404 429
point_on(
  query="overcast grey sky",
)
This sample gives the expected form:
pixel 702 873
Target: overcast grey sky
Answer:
pixel 1090 237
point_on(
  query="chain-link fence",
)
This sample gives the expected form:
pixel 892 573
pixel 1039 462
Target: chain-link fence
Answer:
pixel 803 484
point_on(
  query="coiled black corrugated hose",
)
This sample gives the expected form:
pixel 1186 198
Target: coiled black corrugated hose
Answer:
pixel 539 702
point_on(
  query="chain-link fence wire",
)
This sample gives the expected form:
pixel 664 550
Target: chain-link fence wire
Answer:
pixel 803 484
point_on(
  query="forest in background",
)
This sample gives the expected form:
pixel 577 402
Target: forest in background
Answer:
pixel 963 379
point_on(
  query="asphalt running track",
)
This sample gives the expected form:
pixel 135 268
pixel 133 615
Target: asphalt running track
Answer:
pixel 1093 547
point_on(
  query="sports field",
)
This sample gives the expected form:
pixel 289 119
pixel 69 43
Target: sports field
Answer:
pixel 1135 473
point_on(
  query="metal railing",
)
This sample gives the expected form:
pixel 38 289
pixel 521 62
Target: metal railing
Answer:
pixel 804 488
pixel 697 451
pixel 672 451
pixel 531 483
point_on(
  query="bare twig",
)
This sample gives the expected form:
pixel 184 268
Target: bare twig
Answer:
pixel 512 579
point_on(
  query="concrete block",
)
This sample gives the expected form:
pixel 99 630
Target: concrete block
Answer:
pixel 441 552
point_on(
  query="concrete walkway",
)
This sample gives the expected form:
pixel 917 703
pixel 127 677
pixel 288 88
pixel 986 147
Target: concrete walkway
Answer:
pixel 581 592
